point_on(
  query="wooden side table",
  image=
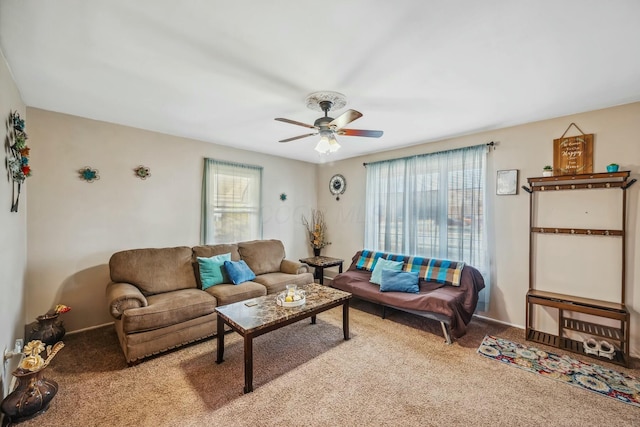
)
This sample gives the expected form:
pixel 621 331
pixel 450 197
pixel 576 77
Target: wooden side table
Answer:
pixel 319 263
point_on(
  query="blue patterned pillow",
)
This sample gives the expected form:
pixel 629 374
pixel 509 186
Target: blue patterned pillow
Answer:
pixel 368 259
pixel 444 271
pixel 416 264
pixel 436 270
pixel 239 271
pixel 399 281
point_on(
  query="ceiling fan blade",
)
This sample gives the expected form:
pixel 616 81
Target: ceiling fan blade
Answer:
pixel 298 137
pixel 293 122
pixel 361 132
pixel 345 118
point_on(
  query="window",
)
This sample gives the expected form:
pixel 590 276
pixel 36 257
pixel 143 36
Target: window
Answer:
pixel 231 202
pixel 430 205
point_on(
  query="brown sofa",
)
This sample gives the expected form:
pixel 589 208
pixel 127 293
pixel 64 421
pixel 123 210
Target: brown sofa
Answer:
pixel 452 306
pixel 157 301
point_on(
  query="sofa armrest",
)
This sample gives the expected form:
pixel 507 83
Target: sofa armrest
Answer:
pixel 123 296
pixel 293 267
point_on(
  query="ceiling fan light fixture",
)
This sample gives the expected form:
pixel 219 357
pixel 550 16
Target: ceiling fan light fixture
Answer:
pixel 323 146
pixel 329 127
pixel 333 144
pixel 328 143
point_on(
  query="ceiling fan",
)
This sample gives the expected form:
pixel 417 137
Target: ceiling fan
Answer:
pixel 328 127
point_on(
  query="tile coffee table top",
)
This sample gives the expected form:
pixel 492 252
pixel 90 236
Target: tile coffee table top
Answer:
pixel 322 261
pixel 267 312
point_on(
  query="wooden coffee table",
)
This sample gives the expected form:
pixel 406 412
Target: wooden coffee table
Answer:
pixel 257 316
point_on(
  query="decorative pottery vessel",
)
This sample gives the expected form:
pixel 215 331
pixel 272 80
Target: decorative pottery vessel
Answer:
pixel 31 397
pixel 547 173
pixel 49 329
pixel 612 168
pixel 316 251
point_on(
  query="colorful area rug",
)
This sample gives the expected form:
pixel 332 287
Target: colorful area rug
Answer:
pixel 596 378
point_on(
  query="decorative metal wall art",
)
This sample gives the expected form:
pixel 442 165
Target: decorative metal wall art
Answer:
pixel 142 172
pixel 88 174
pixel 18 157
pixel 283 197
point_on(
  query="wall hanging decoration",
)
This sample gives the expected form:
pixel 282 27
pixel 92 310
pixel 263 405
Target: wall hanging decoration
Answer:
pixel 283 197
pixel 507 182
pixel 574 154
pixel 18 157
pixel 142 172
pixel 337 185
pixel 88 174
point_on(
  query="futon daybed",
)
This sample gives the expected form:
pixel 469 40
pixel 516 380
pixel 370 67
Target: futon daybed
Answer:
pixel 447 291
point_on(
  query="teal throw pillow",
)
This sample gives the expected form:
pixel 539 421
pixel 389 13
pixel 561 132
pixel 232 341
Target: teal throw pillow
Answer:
pixel 212 271
pixel 399 281
pixel 382 263
pixel 239 271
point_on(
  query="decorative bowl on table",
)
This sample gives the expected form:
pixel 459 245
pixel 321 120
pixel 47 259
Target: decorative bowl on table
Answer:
pixel 292 297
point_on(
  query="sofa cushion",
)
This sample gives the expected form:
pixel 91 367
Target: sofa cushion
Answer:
pixel 276 282
pixel 376 274
pixel 154 271
pixel 368 259
pixel 207 251
pixel 168 309
pixel 227 293
pixel 399 281
pixel 262 256
pixel 239 271
pixel 212 271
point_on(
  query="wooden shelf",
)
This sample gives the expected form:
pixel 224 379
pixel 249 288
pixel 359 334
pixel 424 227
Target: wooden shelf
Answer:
pixel 573 346
pixel 616 312
pixel 575 303
pixel 585 178
pixel 593 329
pixel 587 231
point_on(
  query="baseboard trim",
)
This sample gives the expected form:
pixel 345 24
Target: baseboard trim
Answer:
pixel 490 319
pixel 89 328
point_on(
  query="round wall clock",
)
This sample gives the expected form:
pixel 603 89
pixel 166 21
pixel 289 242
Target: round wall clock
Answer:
pixel 337 185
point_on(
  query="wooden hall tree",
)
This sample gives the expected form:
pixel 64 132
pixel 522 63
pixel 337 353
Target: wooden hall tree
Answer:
pixel 577 315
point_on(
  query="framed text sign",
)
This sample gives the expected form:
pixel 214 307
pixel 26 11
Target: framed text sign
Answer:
pixel 573 155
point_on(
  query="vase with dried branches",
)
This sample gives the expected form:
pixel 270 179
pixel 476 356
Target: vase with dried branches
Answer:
pixel 317 230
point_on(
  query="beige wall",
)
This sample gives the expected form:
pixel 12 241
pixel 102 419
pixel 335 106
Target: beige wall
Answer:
pixel 13 235
pixel 74 226
pixel 527 148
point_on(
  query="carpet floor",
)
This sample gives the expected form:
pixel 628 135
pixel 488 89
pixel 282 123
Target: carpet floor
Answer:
pixel 393 372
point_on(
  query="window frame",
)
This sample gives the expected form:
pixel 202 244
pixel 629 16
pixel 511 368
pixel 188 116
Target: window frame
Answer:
pixel 214 206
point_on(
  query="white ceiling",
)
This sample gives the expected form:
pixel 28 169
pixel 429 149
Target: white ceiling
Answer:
pixel 420 70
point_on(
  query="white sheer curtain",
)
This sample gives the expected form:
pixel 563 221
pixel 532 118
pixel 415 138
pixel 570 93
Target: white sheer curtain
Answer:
pixel 431 205
pixel 231 202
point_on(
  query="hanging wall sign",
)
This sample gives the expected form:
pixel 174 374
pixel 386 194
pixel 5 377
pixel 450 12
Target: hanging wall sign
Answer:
pixel 573 155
